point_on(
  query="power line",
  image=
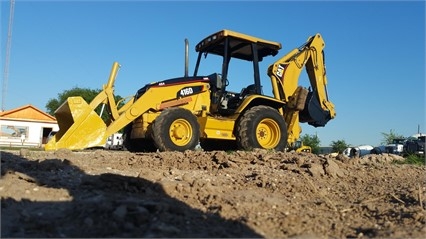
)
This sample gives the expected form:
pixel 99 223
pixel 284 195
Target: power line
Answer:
pixel 8 48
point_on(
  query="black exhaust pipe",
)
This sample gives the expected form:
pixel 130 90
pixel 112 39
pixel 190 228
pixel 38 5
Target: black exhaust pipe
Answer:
pixel 186 57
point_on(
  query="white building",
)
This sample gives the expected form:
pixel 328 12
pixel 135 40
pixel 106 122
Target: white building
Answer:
pixel 26 126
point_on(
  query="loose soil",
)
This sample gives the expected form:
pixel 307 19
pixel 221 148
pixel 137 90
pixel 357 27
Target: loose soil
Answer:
pixel 201 194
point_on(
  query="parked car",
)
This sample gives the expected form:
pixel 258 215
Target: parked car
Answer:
pixel 396 147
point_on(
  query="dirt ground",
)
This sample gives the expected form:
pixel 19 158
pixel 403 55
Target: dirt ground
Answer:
pixel 198 194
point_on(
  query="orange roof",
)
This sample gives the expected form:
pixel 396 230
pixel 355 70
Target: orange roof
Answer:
pixel 27 113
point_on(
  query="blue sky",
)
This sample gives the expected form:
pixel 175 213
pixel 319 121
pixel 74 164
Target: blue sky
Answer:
pixel 375 52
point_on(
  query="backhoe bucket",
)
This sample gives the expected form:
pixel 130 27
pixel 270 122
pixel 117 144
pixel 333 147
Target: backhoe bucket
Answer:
pixel 80 126
pixel 313 112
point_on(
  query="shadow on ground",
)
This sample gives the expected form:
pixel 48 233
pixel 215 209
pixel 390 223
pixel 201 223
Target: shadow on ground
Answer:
pixel 106 205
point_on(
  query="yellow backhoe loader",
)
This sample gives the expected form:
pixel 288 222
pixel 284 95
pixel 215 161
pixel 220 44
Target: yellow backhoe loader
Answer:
pixel 178 114
pixel 299 147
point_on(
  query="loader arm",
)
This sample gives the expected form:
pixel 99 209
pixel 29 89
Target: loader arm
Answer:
pixel 79 125
pixel 302 105
pixel 106 96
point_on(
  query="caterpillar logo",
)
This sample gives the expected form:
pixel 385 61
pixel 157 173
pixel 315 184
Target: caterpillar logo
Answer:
pixel 280 71
pixel 189 91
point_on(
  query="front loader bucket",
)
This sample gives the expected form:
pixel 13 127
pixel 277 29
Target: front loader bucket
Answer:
pixel 80 126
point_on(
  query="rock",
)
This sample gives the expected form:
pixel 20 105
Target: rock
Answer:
pixel 63 153
pixel 316 170
pixel 120 212
pixel 24 152
pixel 332 169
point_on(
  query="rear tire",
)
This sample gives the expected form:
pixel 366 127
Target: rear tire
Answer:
pixel 262 127
pixel 176 129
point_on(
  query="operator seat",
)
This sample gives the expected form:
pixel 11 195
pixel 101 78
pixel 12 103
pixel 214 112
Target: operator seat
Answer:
pixel 249 90
pixel 234 102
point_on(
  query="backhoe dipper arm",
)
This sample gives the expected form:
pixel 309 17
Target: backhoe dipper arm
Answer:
pixel 312 107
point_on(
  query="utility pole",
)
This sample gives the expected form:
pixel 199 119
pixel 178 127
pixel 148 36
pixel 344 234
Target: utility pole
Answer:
pixel 7 60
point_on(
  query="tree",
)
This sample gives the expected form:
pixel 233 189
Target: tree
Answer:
pixel 313 141
pixel 338 146
pixel 87 94
pixel 389 137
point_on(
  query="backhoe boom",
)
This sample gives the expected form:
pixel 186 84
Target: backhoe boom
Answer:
pixel 302 105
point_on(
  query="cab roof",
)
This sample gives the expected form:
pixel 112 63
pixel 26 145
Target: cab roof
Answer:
pixel 240 45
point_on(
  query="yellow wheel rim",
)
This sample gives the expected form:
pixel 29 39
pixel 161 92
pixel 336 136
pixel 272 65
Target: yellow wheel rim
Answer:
pixel 180 132
pixel 268 133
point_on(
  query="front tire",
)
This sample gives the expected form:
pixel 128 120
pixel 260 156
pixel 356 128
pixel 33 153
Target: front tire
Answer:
pixel 176 129
pixel 262 127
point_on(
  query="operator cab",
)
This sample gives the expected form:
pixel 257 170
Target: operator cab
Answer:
pixel 229 44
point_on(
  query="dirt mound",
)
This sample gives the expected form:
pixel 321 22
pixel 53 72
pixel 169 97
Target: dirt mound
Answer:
pixel 209 194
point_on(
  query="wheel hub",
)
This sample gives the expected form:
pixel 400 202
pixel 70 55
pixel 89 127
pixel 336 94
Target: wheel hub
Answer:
pixel 268 133
pixel 262 133
pixel 179 132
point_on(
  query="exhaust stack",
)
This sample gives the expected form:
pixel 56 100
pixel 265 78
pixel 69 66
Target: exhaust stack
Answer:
pixel 186 57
